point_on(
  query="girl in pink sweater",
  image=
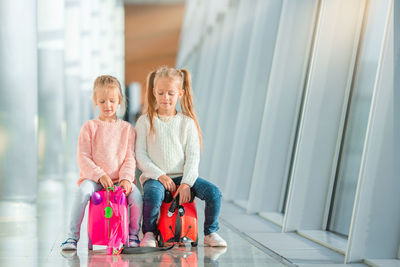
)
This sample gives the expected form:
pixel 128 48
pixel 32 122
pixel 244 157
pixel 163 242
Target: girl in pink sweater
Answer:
pixel 106 157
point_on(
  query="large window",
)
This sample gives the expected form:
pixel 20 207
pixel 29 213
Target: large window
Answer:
pixel 350 159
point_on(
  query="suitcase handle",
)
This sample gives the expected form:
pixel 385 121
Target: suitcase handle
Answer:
pixel 173 206
pixel 168 196
pixel 108 212
pixel 110 188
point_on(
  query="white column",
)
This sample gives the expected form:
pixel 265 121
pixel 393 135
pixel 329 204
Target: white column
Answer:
pixel 88 54
pixel 18 130
pixel 72 84
pixel 51 88
pixel 119 44
pixel 18 100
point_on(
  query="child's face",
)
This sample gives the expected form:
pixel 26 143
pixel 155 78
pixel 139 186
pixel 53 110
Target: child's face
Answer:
pixel 167 92
pixel 107 99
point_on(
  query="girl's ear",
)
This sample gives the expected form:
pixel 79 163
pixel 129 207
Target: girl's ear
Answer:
pixel 181 92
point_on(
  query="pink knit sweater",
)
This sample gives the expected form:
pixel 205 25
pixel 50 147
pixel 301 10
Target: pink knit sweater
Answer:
pixel 106 148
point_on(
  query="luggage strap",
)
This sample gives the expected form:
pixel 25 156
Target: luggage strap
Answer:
pixel 142 250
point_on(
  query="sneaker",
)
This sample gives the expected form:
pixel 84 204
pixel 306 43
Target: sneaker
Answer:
pixel 69 254
pixel 213 253
pixel 214 240
pixel 134 242
pixel 148 240
pixel 69 244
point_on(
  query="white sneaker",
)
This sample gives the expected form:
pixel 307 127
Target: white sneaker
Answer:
pixel 148 240
pixel 214 240
pixel 213 253
pixel 69 244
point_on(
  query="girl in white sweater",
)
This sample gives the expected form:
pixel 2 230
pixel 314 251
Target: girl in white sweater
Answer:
pixel 168 153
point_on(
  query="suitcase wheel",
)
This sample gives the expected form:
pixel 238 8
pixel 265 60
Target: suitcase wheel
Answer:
pixel 159 239
pixel 90 245
pixel 194 244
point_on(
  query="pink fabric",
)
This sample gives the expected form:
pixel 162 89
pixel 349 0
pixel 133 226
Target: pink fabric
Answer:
pixel 106 148
pixel 112 231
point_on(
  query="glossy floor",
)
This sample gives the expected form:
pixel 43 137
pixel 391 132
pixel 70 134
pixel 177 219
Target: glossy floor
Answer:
pixel 30 235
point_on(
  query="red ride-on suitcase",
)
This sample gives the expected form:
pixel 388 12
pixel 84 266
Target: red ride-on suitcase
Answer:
pixel 177 223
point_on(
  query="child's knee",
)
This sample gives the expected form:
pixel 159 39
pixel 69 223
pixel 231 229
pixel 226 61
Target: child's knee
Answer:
pixel 135 196
pixel 214 194
pixel 153 192
pixel 152 186
pixel 86 189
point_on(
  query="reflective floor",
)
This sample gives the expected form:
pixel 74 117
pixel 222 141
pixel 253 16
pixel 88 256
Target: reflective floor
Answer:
pixel 30 235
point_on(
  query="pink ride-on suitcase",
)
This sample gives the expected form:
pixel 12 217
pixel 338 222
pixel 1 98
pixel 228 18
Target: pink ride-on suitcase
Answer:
pixel 108 222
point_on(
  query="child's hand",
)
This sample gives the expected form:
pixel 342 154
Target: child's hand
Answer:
pixel 106 181
pixel 167 183
pixel 184 193
pixel 125 184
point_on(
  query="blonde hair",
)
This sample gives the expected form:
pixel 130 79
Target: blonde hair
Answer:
pixel 109 82
pixel 186 103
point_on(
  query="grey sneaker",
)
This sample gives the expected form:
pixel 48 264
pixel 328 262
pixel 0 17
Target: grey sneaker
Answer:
pixel 69 244
pixel 69 254
pixel 134 242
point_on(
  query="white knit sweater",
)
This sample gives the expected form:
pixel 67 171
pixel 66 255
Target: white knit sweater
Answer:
pixel 174 150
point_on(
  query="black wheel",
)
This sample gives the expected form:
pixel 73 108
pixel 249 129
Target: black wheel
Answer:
pixel 90 245
pixel 194 244
pixel 160 240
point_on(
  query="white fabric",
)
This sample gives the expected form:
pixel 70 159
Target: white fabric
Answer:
pixel 174 150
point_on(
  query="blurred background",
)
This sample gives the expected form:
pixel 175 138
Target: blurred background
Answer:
pixel 298 102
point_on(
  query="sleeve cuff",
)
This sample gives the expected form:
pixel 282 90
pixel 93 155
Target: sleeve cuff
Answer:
pixel 127 178
pixel 189 182
pixel 157 175
pixel 99 176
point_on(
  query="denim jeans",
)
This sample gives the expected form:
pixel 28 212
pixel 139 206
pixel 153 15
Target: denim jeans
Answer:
pixel 154 195
pixel 82 196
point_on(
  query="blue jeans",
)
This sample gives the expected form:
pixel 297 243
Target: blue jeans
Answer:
pixel 154 195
